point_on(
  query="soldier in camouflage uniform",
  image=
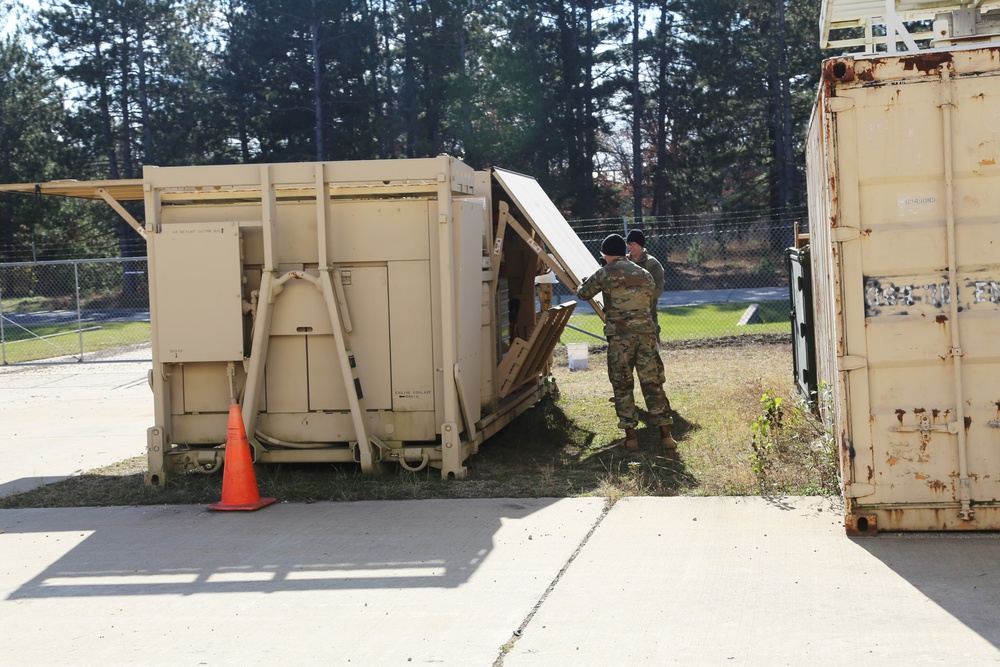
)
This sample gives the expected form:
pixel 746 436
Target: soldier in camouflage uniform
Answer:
pixel 636 243
pixel 628 326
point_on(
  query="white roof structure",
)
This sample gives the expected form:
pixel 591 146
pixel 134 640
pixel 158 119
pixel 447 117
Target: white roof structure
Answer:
pixel 889 24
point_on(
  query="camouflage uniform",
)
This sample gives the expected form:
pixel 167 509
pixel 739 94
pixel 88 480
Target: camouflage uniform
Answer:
pixel 631 338
pixel 655 269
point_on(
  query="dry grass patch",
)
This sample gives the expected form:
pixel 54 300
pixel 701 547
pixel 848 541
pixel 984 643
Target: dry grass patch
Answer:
pixel 565 446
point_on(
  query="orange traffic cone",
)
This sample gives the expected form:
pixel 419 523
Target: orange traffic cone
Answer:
pixel 239 483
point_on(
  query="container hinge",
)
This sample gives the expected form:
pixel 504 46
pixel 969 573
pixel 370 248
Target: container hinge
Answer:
pixel 838 104
pixel 844 234
pixel 859 490
pixel 851 362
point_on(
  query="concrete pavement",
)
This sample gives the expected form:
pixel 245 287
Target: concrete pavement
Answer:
pixel 61 420
pixel 511 582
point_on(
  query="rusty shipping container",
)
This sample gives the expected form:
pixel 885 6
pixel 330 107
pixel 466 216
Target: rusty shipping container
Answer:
pixel 904 189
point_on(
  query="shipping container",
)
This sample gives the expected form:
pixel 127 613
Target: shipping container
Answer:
pixel 904 190
pixel 376 312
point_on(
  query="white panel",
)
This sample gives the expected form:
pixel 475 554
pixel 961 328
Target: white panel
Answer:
pixel 550 224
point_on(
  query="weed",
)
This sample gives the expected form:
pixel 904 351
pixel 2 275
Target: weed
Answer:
pixel 790 451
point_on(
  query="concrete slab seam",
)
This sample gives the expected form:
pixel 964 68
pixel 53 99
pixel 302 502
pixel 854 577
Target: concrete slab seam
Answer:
pixel 506 648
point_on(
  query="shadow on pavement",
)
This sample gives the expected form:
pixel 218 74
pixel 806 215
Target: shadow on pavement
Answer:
pixel 959 573
pixel 186 550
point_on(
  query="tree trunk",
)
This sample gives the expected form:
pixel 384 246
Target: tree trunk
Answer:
pixel 315 25
pixel 636 118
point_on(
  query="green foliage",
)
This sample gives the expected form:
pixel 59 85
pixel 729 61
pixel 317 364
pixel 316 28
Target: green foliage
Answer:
pixel 696 253
pixel 784 440
pixel 764 267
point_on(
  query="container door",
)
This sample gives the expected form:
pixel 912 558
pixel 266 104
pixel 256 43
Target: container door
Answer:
pixel 803 348
pixel 919 370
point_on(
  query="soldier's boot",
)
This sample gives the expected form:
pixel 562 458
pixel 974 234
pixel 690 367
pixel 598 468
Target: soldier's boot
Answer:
pixel 666 439
pixel 631 442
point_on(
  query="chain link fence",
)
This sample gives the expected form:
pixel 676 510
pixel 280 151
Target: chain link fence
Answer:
pixel 74 310
pixel 722 277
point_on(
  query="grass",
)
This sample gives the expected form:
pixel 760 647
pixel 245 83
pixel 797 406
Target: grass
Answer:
pixel 566 446
pixel 45 342
pixel 713 320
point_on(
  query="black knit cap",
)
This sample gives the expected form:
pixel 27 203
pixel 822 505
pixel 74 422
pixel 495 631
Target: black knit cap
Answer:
pixel 614 246
pixel 636 236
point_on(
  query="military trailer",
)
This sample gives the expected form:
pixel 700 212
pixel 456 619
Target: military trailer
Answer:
pixel 377 312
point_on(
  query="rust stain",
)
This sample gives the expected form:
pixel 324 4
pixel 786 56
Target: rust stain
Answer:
pixel 899 416
pixel 838 70
pixel 987 163
pixel 871 473
pixel 927 62
pixel 919 411
pixel 941 319
pixel 892 460
pixel 968 423
pixel 935 413
pixel 919 475
pixel 936 485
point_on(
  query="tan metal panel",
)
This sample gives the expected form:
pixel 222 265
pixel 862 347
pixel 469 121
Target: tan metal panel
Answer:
pixel 367 294
pixel 174 386
pixel 200 429
pixel 487 337
pixel 410 332
pixel 378 231
pixel 283 374
pixel 198 292
pixel 206 387
pixel 300 310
